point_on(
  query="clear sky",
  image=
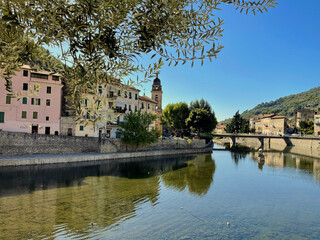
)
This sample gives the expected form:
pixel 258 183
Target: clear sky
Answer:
pixel 265 57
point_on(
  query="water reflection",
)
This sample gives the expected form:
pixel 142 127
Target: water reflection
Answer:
pixel 197 176
pixel 75 200
pixel 238 156
pixel 285 160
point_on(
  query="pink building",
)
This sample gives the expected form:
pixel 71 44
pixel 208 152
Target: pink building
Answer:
pixel 34 106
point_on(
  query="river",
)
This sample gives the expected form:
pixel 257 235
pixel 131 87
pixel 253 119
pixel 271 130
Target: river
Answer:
pixel 223 195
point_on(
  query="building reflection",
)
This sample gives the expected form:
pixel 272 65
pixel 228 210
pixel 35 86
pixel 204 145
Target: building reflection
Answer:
pixel 197 176
pixel 286 160
pixel 41 202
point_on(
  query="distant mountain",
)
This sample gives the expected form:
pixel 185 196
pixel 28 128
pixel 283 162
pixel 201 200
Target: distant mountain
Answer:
pixel 289 105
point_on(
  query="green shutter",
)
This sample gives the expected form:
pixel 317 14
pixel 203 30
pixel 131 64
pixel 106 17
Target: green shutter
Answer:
pixel 1 117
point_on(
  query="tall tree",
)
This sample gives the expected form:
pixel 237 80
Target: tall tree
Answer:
pixel 174 117
pixel 238 124
pixel 134 129
pixel 200 120
pixel 103 40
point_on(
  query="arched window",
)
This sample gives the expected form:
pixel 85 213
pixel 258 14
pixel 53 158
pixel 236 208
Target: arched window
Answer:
pixel 156 98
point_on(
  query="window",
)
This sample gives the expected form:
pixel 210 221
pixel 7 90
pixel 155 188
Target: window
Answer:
pixel 24 114
pixel 100 89
pixel 148 106
pixel 125 94
pixel 35 101
pixel 135 108
pixel 130 95
pixel 24 100
pixel 129 107
pixel 142 106
pixel 47 118
pixel 49 90
pixel 119 93
pixel 156 98
pixel 48 102
pixel 8 99
pixel 81 128
pixel 36 87
pixel 136 96
pixel 25 73
pixel 35 115
pixel 84 102
pixel 1 117
pixel 40 76
pixel 55 78
pixel 25 86
pixel 125 107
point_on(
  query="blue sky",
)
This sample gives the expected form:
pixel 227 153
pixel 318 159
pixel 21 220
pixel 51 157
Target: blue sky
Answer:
pixel 265 57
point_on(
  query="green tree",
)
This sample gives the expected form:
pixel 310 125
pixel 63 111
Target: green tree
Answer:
pixel 201 120
pixel 174 117
pixel 134 129
pixel 306 126
pixel 103 40
pixel 238 124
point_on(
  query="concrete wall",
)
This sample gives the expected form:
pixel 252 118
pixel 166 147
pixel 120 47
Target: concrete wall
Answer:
pixel 13 144
pixel 307 147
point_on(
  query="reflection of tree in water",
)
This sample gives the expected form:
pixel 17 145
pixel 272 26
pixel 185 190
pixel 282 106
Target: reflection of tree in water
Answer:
pixel 238 155
pixel 74 197
pixel 197 175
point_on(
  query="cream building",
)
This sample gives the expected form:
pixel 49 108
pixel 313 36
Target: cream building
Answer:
pixel 107 110
pixel 304 115
pixel 317 124
pixel 269 124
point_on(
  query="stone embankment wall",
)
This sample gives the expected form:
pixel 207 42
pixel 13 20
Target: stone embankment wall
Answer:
pixel 13 144
pixel 307 147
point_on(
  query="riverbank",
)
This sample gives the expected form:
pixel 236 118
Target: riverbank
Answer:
pixel 85 157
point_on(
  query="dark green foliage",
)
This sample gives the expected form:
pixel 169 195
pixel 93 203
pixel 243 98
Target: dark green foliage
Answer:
pixel 289 105
pixel 135 128
pixel 238 124
pixel 200 120
pixel 174 117
pixel 306 126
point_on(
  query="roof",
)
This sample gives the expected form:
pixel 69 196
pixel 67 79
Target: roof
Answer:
pixel 156 81
pixel 269 115
pixel 278 117
pixel 220 127
pixel 147 99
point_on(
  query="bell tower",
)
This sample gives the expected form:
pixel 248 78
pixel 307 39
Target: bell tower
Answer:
pixel 156 93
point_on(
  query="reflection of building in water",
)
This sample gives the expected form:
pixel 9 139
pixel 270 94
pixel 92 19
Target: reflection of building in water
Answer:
pixel 197 176
pixel 280 159
pixel 69 197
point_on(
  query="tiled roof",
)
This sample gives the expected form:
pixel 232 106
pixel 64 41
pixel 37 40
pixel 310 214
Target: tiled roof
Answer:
pixel 147 99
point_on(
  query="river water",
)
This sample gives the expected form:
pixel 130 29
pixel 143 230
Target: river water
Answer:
pixel 271 196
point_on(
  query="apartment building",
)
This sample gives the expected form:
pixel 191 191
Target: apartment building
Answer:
pixel 34 106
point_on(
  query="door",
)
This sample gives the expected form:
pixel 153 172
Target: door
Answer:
pixel 69 131
pixel 34 129
pixel 47 130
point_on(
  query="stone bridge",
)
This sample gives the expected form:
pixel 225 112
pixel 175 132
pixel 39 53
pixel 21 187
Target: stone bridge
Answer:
pixel 261 138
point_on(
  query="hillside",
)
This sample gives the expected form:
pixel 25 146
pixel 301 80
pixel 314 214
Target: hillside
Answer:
pixel 288 105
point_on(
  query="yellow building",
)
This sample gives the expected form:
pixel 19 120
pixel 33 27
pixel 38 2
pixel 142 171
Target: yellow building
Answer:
pixel 304 115
pixel 220 129
pixel 317 124
pixel 106 110
pixel 269 124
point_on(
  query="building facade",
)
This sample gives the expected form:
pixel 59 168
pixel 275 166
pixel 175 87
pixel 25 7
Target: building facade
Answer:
pixel 317 124
pixel 304 115
pixel 269 124
pixel 35 104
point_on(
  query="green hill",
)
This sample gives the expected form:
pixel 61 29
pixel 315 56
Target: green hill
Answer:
pixel 288 105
